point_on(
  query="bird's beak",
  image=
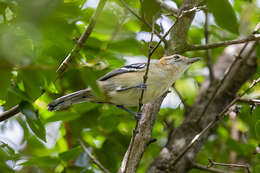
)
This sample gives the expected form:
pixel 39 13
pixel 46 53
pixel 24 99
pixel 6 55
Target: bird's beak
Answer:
pixel 192 60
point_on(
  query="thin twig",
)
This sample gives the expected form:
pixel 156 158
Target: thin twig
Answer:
pixel 187 107
pixel 238 57
pixel 205 168
pixel 9 113
pixel 151 51
pixel 83 38
pixel 93 158
pixel 145 77
pixel 211 124
pixel 213 163
pixel 208 52
pixel 254 37
pixel 142 20
pixel 250 101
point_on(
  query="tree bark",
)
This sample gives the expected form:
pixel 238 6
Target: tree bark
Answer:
pixel 240 73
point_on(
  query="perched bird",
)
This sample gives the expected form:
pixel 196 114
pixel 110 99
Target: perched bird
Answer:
pixel 123 86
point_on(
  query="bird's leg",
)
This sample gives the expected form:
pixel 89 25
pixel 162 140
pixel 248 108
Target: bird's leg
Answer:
pixel 137 116
pixel 141 86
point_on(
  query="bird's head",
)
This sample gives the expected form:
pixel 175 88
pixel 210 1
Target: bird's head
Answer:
pixel 179 62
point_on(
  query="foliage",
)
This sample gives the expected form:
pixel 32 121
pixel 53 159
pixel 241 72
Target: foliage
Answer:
pixel 38 35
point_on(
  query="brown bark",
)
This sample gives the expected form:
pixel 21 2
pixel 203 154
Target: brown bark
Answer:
pixel 240 73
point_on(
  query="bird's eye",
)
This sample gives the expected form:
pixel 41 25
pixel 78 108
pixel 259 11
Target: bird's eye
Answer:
pixel 176 57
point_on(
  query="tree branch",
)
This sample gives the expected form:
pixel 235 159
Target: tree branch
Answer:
pixel 9 113
pixel 93 158
pixel 62 68
pixel 220 83
pixel 213 163
pixel 205 168
pixel 254 37
pixel 142 132
pixel 211 124
pixel 83 38
pixel 250 101
pixel 191 131
pixel 208 52
pixel 145 77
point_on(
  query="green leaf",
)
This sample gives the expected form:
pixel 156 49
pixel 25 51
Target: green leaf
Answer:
pixel 44 161
pixel 257 129
pixel 90 78
pixel 224 15
pixel 10 153
pixel 33 120
pixel 150 9
pixel 33 81
pixel 72 154
pixel 62 116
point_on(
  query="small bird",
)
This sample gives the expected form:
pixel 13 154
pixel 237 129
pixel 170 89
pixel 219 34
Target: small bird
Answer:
pixel 123 86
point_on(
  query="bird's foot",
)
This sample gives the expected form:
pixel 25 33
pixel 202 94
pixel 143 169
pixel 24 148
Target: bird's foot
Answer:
pixel 142 86
pixel 138 116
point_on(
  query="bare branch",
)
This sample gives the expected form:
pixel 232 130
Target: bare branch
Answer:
pixel 213 163
pixel 83 38
pixel 250 101
pixel 145 77
pixel 211 124
pixel 187 107
pixel 9 113
pixel 93 158
pixel 208 52
pixel 220 83
pixel 142 132
pixel 62 68
pixel 205 168
pixel 254 37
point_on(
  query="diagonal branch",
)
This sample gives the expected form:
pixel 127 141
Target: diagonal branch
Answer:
pixel 208 52
pixel 145 77
pixel 205 168
pixel 83 38
pixel 93 158
pixel 213 163
pixel 62 68
pixel 211 124
pixel 238 57
pixel 254 37
pixel 142 133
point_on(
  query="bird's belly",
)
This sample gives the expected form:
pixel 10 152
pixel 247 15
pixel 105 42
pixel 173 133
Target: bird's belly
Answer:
pixel 131 97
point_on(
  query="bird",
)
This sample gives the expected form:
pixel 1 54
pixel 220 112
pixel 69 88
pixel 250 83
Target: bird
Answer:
pixel 123 86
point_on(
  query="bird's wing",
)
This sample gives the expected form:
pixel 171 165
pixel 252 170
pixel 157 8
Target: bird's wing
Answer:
pixel 125 69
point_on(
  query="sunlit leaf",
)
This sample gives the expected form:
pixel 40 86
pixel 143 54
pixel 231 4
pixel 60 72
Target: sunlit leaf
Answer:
pixel 71 154
pixel 224 15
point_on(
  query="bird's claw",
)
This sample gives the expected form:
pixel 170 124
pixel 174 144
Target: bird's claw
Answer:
pixel 142 86
pixel 138 116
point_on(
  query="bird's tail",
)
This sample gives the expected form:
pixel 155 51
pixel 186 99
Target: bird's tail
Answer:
pixel 70 99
